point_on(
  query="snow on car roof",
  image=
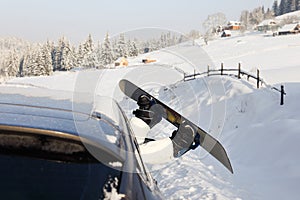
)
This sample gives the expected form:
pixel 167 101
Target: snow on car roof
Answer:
pixel 61 115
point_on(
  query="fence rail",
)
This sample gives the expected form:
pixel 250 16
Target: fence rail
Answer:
pixel 240 73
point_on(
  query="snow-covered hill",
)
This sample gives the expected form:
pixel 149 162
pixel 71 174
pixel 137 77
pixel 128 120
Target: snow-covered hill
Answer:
pixel 261 136
pixel 295 14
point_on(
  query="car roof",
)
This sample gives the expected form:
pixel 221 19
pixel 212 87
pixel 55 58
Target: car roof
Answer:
pixel 22 109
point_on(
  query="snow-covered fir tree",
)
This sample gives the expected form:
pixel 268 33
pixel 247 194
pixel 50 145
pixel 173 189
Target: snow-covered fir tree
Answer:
pixel 80 55
pixel 269 14
pixel 98 52
pixel 89 58
pixel 45 59
pixel 121 49
pixel 132 48
pixel 293 5
pixel 283 7
pixel 12 65
pixel 275 8
pixel 66 55
pixel 170 40
pixel 106 53
pixel 31 64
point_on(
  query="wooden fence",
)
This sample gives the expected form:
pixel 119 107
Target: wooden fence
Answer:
pixel 239 73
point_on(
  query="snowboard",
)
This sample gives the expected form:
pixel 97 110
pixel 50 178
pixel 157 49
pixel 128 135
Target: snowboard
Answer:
pixel 207 142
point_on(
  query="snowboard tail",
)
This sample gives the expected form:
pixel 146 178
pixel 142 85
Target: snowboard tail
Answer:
pixel 209 143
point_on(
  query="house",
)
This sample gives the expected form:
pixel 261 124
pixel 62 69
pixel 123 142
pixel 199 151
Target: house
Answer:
pixel 226 33
pixel 233 25
pixel 148 60
pixel 268 25
pixel 123 62
pixel 289 29
pixel 219 29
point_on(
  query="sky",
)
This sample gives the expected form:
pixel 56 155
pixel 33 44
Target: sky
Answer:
pixel 39 20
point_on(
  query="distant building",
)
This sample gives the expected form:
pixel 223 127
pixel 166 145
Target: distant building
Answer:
pixel 233 25
pixel 289 29
pixel 148 60
pixel 268 25
pixel 219 29
pixel 226 33
pixel 123 62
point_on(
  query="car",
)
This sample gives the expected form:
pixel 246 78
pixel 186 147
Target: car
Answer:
pixel 54 148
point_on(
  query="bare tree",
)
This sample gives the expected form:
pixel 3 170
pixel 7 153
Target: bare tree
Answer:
pixel 212 22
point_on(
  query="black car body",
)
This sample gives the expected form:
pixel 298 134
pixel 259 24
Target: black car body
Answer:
pixel 54 148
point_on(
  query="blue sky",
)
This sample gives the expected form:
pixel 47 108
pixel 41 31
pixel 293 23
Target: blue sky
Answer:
pixel 39 20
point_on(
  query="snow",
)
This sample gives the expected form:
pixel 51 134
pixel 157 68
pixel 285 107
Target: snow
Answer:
pixel 260 136
pixel 288 27
pixel 291 14
pixel 267 22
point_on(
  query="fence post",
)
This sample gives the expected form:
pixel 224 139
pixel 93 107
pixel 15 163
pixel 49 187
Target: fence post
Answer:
pixel 257 78
pixel 222 66
pixel 184 76
pixel 239 72
pixel 194 74
pixel 207 70
pixel 282 95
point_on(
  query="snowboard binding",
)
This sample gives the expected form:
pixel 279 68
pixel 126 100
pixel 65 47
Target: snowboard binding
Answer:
pixel 148 111
pixel 184 138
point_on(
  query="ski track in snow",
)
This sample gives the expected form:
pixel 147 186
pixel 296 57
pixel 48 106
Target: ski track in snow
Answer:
pixel 261 137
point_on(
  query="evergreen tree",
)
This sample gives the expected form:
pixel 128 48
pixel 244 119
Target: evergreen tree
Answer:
pixel 132 49
pixel 12 65
pixel 163 40
pixel 269 14
pixel 31 64
pixel 275 8
pixel 298 5
pixel 45 60
pixel 288 6
pixel 54 56
pixel 284 7
pixel 293 5
pixel 121 49
pixel 106 53
pixel 281 7
pixel 58 54
pixel 89 59
pixel 66 56
pixel 21 67
pixel 98 52
pixel 80 55
pixel 88 46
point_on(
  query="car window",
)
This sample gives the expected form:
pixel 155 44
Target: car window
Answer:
pixel 30 178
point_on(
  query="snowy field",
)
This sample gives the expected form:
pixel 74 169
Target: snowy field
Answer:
pixel 261 137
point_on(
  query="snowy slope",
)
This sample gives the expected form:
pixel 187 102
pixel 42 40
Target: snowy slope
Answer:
pixel 295 14
pixel 261 136
pixel 276 57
